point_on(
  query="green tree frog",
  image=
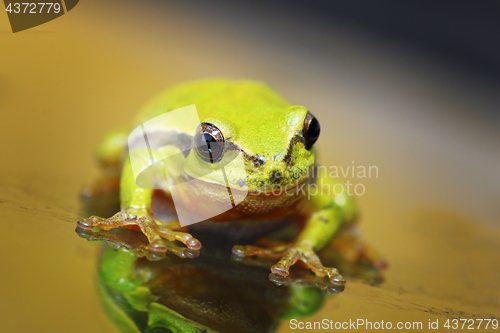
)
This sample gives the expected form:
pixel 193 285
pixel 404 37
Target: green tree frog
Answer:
pixel 277 140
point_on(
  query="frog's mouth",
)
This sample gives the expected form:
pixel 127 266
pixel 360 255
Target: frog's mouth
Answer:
pixel 253 184
pixel 253 187
pixel 213 199
pixel 279 186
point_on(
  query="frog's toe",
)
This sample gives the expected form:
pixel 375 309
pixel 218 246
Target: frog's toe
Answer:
pixel 289 259
pixel 239 250
pixel 93 221
pixel 183 237
pixel 337 280
pixel 280 269
pixel 120 219
pixel 86 224
pixel 157 246
pixel 191 242
pixel 312 261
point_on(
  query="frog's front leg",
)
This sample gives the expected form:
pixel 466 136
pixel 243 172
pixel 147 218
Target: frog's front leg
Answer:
pixel 319 230
pixel 330 213
pixel 136 210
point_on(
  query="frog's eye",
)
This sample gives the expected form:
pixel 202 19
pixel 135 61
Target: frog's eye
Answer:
pixel 209 142
pixel 311 130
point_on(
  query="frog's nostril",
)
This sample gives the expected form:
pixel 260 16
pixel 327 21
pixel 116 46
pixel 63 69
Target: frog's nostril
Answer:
pixel 258 160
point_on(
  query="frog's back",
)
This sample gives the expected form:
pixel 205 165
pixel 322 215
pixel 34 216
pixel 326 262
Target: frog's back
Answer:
pixel 235 100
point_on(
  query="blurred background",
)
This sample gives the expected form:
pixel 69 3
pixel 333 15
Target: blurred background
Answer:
pixel 409 87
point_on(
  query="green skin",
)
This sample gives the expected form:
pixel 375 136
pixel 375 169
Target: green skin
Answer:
pixel 117 272
pixel 267 129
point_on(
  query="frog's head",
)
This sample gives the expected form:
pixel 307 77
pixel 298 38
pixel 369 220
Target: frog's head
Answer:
pixel 255 142
pixel 271 150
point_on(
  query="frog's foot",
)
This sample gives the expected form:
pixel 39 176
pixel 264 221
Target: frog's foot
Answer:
pixel 132 241
pixel 289 256
pixel 149 227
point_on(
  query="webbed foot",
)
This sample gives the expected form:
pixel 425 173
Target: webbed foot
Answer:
pixel 134 242
pixel 150 227
pixel 288 256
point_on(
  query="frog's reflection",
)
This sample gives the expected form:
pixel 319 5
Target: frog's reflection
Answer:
pixel 209 292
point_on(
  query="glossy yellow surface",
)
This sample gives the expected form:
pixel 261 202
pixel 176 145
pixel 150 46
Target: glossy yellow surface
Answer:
pixel 432 212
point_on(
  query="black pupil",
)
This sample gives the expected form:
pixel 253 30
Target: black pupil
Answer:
pixel 207 139
pixel 209 143
pixel 313 129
